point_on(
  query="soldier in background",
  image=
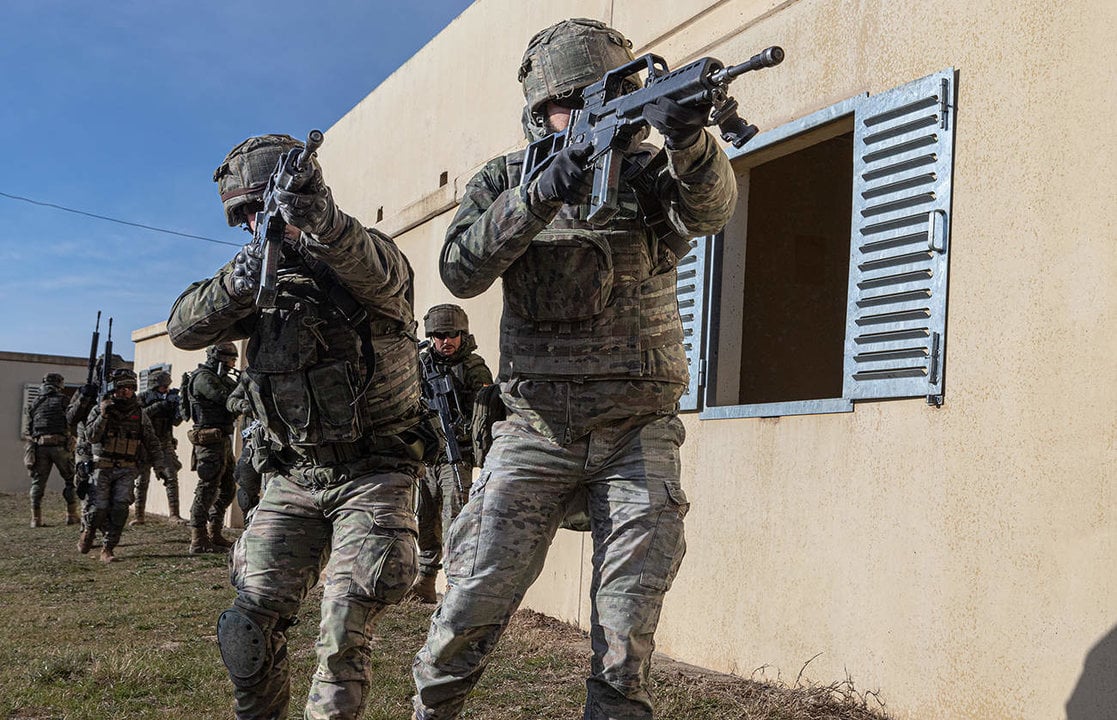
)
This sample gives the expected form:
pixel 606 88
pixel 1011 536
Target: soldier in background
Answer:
pixel 592 368
pixel 117 431
pixel 206 391
pixel 332 372
pixel 49 444
pixel 452 351
pixel 163 408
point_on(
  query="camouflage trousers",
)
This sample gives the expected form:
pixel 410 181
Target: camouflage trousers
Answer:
pixel 363 529
pixel 439 503
pixel 497 546
pixel 45 458
pixel 106 505
pixel 143 480
pixel 216 488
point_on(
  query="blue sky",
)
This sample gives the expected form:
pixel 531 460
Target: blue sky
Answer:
pixel 124 109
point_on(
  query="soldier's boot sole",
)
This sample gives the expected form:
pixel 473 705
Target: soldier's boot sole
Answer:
pixel 85 541
pixel 107 556
pixel 176 520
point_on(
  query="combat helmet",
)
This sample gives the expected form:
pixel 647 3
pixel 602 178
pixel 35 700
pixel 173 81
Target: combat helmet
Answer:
pixel 159 379
pixel 123 378
pixel 446 318
pixel 563 59
pixel 244 174
pixel 221 351
pixel 54 380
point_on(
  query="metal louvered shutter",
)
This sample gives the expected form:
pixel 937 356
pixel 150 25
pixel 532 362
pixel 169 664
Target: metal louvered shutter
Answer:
pixel 896 318
pixel 690 290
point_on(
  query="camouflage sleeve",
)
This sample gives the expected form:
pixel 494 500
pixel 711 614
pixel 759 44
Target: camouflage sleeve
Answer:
pixel 698 189
pixel 95 425
pixel 78 409
pixel 238 399
pixel 371 267
pixel 477 375
pixel 205 313
pixel 160 409
pixel 494 225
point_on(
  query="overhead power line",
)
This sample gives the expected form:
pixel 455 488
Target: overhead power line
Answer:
pixel 116 220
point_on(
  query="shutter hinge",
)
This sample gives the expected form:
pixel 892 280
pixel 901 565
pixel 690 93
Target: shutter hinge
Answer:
pixel 935 366
pixel 702 372
pixel 944 104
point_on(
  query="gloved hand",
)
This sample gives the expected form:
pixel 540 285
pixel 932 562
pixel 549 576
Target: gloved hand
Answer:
pixel 246 271
pixel 680 125
pixel 567 177
pixel 106 403
pixel 89 390
pixel 305 201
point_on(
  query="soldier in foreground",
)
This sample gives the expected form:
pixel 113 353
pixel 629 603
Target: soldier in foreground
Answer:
pixel 444 487
pixel 332 372
pixel 205 391
pixel 49 444
pixel 163 408
pixel 592 368
pixel 117 431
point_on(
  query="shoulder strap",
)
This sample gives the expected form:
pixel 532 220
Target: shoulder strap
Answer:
pixel 642 179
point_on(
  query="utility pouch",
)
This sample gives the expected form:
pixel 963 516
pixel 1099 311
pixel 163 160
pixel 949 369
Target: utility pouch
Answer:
pixel 566 275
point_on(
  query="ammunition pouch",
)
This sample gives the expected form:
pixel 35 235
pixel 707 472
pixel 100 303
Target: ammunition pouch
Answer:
pixel 206 436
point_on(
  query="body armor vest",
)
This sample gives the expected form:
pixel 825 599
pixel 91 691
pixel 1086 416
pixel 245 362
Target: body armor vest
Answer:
pixel 590 303
pixel 206 412
pixel 123 434
pixel 162 418
pixel 321 371
pixel 48 413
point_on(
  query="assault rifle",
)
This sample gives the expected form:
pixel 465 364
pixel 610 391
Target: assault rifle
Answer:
pixel 91 368
pixel 438 391
pixel 107 387
pixel 612 115
pixel 271 227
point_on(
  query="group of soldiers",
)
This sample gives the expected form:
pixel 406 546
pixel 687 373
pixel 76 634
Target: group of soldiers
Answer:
pixel 348 481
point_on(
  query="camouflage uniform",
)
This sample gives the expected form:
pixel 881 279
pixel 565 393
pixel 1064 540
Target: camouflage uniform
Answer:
pixel 333 374
pixel 49 444
pixel 117 432
pixel 440 499
pixel 592 366
pixel 164 409
pixel 208 388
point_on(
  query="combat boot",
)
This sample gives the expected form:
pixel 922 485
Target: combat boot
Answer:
pixel 139 519
pixel 37 517
pixel 216 539
pixel 199 541
pixel 73 513
pixel 106 555
pixel 423 590
pixel 172 509
pixel 85 540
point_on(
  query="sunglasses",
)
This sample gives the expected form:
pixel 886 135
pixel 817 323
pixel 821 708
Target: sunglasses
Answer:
pixel 447 336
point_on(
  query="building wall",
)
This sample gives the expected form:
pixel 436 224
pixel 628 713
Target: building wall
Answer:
pixel 958 560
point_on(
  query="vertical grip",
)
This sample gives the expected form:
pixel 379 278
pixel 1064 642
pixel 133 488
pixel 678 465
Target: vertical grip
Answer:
pixel 606 178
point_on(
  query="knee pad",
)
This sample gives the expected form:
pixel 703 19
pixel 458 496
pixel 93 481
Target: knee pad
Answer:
pixel 245 639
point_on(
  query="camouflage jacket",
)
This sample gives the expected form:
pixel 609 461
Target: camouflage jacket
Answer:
pixel 376 275
pixel 122 433
pixel 497 223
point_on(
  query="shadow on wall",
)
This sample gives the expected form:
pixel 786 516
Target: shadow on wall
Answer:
pixel 1095 695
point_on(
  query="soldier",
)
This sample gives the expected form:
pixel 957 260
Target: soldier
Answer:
pixel 332 373
pixel 117 431
pixel 49 444
pixel 206 391
pixel 592 367
pixel 443 488
pixel 163 407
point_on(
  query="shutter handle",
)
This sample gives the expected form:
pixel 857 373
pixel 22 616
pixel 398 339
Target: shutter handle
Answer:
pixel 936 230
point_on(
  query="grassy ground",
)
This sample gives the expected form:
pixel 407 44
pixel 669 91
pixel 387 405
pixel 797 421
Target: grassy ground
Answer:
pixel 80 640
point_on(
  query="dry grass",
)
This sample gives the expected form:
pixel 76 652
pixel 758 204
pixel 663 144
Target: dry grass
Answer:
pixel 136 639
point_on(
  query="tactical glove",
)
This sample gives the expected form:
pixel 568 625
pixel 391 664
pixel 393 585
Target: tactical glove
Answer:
pixel 680 125
pixel 305 201
pixel 89 390
pixel 567 177
pixel 246 271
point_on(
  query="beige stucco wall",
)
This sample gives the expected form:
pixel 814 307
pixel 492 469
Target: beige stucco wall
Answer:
pixel 958 560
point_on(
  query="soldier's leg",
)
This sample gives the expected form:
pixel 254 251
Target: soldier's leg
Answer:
pixel 273 565
pixel 63 459
pixel 428 511
pixel 208 463
pixel 226 491
pixel 39 472
pixel 170 455
pixel 372 564
pixel 95 512
pixel 636 513
pixel 143 481
pixel 454 497
pixel 497 547
pixel 120 499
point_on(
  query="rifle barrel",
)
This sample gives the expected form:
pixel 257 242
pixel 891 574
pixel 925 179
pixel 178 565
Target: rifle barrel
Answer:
pixel 768 57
